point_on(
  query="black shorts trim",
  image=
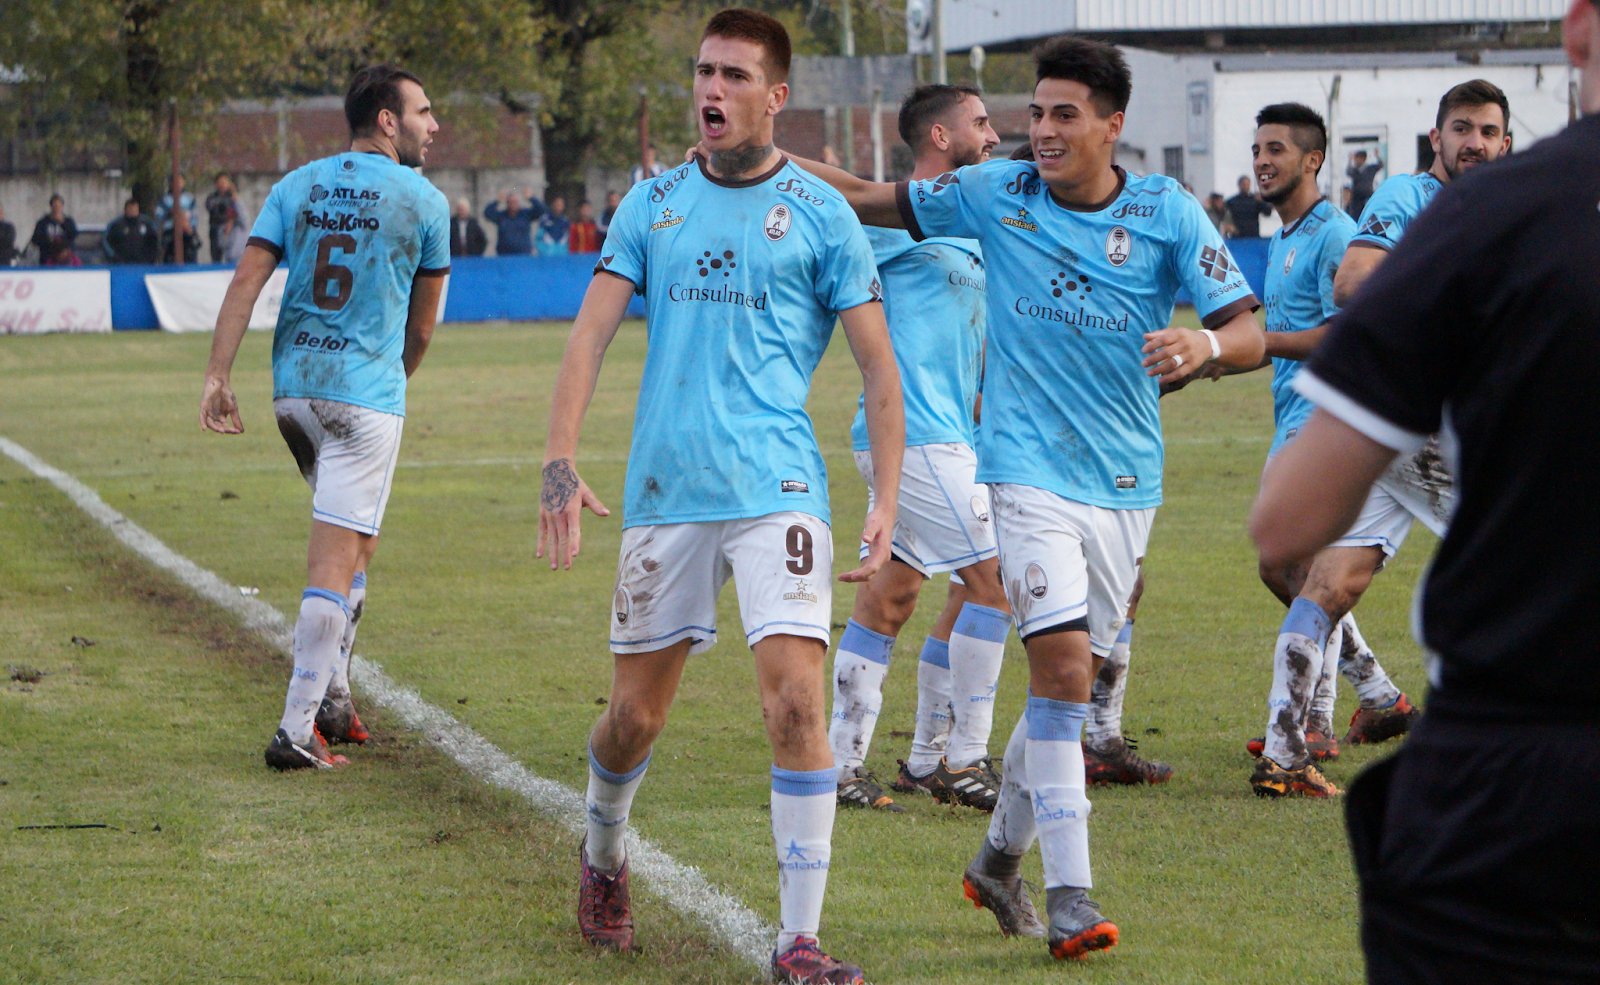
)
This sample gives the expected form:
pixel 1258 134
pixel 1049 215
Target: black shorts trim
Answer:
pixel 1078 625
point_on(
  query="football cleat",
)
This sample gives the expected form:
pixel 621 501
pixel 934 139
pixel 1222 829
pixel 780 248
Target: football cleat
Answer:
pixel 1119 763
pixel 284 753
pixel 973 786
pixel 605 914
pixel 863 790
pixel 907 783
pixel 1006 897
pixel 1369 725
pixel 1076 926
pixel 1272 780
pixel 1323 748
pixel 805 964
pixel 338 722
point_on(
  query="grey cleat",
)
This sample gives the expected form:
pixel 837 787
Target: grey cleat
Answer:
pixel 993 883
pixel 1076 926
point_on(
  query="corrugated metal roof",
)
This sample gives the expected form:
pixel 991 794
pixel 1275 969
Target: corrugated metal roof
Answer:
pixel 969 22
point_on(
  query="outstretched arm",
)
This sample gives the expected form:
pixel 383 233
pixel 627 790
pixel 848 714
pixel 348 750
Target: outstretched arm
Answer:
pixel 219 410
pixel 873 200
pixel 868 334
pixel 564 495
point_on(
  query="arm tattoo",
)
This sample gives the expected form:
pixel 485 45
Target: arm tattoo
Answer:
pixel 560 483
pixel 740 161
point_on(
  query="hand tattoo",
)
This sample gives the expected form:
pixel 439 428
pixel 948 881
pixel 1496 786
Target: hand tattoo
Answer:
pixel 739 161
pixel 560 483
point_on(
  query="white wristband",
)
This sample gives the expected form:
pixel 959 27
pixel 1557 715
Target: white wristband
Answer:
pixel 1216 347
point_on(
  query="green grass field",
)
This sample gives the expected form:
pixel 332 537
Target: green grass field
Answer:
pixel 403 869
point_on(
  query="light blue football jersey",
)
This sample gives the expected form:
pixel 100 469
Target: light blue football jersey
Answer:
pixel 356 230
pixel 1301 261
pixel 742 281
pixel 933 299
pixel 1392 207
pixel 1067 406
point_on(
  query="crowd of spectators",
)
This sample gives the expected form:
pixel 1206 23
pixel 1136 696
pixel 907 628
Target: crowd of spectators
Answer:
pixel 525 225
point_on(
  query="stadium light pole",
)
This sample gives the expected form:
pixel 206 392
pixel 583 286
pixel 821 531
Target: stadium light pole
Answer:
pixel 941 71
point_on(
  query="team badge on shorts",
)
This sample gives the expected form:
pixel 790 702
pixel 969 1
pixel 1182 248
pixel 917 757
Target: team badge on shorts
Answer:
pixel 980 509
pixel 1118 245
pixel 777 222
pixel 621 606
pixel 1035 581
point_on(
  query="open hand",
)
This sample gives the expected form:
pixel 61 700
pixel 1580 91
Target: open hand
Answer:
pixel 219 410
pixel 561 504
pixel 875 534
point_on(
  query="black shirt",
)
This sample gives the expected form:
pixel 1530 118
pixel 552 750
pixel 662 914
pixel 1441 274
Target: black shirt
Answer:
pixel 8 242
pixel 1487 317
pixel 134 240
pixel 54 239
pixel 1247 211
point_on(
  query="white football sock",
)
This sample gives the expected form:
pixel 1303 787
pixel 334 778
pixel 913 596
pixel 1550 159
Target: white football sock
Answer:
pixel 608 801
pixel 1056 780
pixel 317 633
pixel 803 803
pixel 977 647
pixel 1320 716
pixel 339 683
pixel 859 666
pixel 1361 668
pixel 1011 827
pixel 933 708
pixel 1106 694
pixel 1296 666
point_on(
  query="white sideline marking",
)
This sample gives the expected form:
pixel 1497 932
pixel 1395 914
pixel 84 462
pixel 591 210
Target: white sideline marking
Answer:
pixel 682 886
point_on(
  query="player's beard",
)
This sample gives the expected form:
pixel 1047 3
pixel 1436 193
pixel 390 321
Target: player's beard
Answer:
pixel 968 157
pixel 1282 195
pixel 1462 162
pixel 408 149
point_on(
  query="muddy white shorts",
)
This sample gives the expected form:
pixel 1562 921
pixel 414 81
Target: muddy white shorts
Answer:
pixel 669 576
pixel 347 455
pixel 1412 487
pixel 1065 562
pixel 942 523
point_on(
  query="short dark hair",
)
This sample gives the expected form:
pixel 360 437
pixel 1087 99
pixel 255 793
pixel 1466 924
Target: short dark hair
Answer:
pixel 1098 65
pixel 131 201
pixel 738 24
pixel 924 107
pixel 1478 92
pixel 57 198
pixel 1305 125
pixel 1023 153
pixel 373 89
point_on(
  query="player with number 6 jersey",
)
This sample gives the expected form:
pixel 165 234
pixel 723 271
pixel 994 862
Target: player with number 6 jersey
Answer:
pixel 367 245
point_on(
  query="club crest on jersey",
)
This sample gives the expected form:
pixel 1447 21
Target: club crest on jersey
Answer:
pixel 1021 221
pixel 667 220
pixel 1216 263
pixel 777 222
pixel 1118 245
pixel 1288 261
pixel 1035 581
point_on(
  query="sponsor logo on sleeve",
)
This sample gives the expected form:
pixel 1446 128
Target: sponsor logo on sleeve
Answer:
pixel 1216 263
pixel 1020 221
pixel 777 223
pixel 1118 245
pixel 1375 226
pixel 877 290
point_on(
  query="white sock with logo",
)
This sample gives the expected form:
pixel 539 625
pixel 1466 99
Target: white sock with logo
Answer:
pixel 933 708
pixel 803 803
pixel 1320 717
pixel 339 683
pixel 1011 827
pixel 859 667
pixel 1106 693
pixel 609 798
pixel 977 648
pixel 1056 778
pixel 317 634
pixel 1360 667
pixel 1296 667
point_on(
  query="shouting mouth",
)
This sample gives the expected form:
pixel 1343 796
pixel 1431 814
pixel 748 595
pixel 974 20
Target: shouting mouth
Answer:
pixel 712 122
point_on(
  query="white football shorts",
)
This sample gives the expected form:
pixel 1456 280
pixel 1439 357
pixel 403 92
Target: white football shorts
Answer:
pixel 943 520
pixel 1063 561
pixel 347 455
pixel 670 574
pixel 1413 487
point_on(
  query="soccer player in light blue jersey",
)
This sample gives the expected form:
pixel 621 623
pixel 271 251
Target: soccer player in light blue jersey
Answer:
pixel 745 263
pixel 367 243
pixel 934 302
pixel 1082 263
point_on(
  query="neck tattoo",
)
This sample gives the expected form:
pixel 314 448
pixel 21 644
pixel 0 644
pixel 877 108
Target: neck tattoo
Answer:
pixel 739 161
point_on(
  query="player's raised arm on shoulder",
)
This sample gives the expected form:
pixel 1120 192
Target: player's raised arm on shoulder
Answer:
pixel 563 495
pixel 874 201
pixel 1360 260
pixel 868 334
pixel 219 411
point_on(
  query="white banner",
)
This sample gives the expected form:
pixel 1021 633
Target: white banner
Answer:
pixel 190 302
pixel 33 301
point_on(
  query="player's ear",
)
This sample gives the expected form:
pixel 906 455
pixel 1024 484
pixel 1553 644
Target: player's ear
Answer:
pixel 1114 126
pixel 777 98
pixel 1314 161
pixel 1433 140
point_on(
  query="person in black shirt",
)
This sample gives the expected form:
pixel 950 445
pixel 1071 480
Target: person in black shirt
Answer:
pixel 466 235
pixel 8 241
pixel 1246 211
pixel 54 235
pixel 1476 846
pixel 1362 177
pixel 221 205
pixel 132 238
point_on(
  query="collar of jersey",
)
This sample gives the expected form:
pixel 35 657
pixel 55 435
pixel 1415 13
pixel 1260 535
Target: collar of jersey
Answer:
pixel 1101 206
pixel 1288 230
pixel 783 159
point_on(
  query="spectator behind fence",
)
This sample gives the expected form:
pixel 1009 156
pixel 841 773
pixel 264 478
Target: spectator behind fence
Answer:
pixel 466 236
pixel 8 241
pixel 1246 211
pixel 515 222
pixel 1362 177
pixel 223 200
pixel 235 237
pixel 603 224
pixel 1217 209
pixel 553 228
pixel 584 236
pixel 651 168
pixel 167 216
pixel 132 238
pixel 54 235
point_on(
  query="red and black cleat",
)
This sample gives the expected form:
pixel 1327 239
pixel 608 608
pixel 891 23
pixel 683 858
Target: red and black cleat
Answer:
pixel 338 722
pixel 284 753
pixel 605 915
pixel 1323 748
pixel 1372 725
pixel 805 964
pixel 1118 763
